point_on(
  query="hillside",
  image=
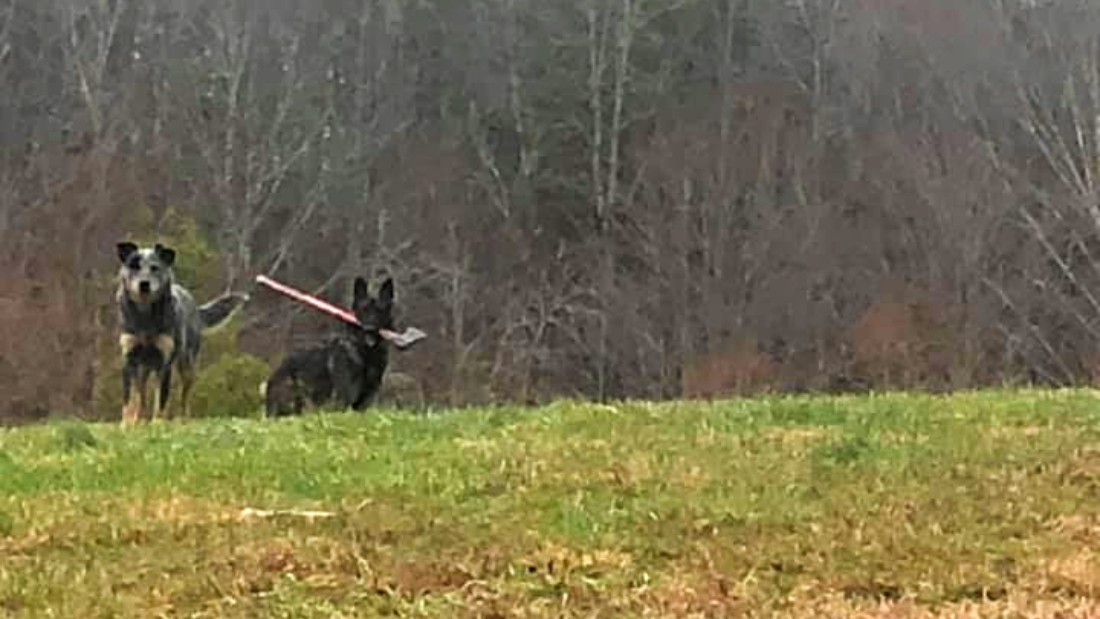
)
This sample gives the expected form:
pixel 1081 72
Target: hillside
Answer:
pixel 886 506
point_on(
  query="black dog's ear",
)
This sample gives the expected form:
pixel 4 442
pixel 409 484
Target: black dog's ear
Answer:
pixel 167 255
pixel 125 250
pixel 385 293
pixel 359 292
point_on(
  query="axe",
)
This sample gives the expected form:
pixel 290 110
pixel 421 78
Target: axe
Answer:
pixel 404 340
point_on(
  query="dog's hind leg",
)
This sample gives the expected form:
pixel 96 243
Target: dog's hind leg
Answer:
pixel 187 380
pixel 282 393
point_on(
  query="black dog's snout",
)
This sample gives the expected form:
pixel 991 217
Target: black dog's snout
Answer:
pixel 143 287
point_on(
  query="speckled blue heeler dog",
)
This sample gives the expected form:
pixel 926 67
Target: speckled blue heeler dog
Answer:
pixel 161 327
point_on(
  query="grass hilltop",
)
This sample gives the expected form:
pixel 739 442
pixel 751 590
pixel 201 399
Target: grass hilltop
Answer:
pixel 970 505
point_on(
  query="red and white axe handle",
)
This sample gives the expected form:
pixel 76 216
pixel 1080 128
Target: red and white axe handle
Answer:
pixel 308 299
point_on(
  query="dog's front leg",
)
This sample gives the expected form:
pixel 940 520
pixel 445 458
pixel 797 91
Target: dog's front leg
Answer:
pixel 347 391
pixel 135 387
pixel 162 389
pixel 369 383
pixel 161 392
pixel 131 369
pixel 142 390
pixel 345 384
pixel 131 408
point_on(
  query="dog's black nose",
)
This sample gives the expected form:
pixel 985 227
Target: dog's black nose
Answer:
pixel 143 287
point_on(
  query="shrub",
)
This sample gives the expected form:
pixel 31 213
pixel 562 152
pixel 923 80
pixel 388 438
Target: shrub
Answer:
pixel 737 368
pixel 229 387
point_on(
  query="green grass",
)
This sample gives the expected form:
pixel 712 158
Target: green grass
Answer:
pixel 755 507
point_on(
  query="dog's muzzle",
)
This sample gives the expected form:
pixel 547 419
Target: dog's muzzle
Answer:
pixel 139 291
pixel 371 337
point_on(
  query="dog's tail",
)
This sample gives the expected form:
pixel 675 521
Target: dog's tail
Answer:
pixel 214 313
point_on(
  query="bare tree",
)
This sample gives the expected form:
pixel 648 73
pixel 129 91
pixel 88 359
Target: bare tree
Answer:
pixel 92 31
pixel 256 118
pixel 1057 83
pixel 7 25
pixel 612 31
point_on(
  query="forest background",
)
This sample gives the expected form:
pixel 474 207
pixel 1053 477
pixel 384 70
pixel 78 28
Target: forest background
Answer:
pixel 589 198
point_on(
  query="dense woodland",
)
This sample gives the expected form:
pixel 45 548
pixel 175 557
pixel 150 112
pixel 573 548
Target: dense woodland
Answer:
pixel 577 198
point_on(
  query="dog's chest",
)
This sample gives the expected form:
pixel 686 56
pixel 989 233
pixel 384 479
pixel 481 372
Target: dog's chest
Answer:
pixel 364 364
pixel 146 348
pixel 148 340
pixel 149 322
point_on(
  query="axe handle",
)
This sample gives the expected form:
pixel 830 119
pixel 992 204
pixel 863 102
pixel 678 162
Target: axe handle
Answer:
pixel 308 299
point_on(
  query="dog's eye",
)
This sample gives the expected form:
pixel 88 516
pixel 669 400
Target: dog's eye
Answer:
pixel 154 269
pixel 134 264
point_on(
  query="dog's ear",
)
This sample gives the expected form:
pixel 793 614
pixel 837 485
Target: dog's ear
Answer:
pixel 125 250
pixel 385 293
pixel 359 291
pixel 167 255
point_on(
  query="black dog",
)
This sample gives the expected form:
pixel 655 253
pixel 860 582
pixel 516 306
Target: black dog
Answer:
pixel 346 369
pixel 161 327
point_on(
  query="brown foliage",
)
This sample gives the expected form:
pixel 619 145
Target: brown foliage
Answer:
pixel 56 293
pixel 899 344
pixel 737 368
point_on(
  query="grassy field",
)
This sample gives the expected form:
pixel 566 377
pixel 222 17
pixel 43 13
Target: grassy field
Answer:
pixel 973 505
